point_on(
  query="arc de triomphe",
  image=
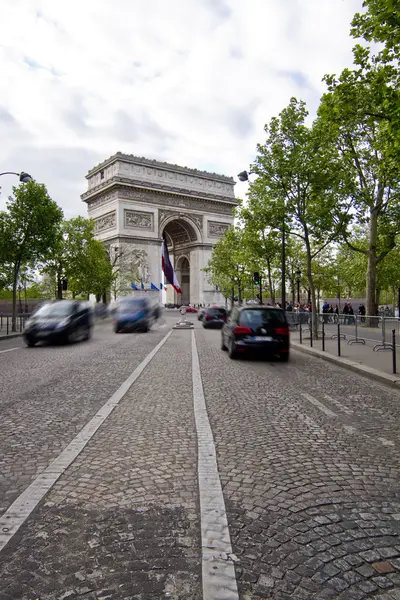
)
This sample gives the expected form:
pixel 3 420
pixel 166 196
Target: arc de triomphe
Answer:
pixel 134 200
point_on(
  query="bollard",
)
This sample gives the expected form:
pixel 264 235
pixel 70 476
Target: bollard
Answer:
pixel 1 321
pixel 394 350
pixel 338 338
pixel 323 336
pixel 301 334
pixel 311 335
pixel 7 325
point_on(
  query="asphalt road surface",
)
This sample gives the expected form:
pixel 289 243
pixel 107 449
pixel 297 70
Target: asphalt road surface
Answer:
pixel 115 483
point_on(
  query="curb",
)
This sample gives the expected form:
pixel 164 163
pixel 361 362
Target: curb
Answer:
pixel 392 380
pixel 10 336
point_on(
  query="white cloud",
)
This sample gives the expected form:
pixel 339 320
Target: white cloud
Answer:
pixel 190 81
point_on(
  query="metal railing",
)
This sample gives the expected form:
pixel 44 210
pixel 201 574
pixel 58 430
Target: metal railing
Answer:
pixel 383 333
pixel 6 323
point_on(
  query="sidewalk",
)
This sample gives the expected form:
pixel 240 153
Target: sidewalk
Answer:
pixel 357 357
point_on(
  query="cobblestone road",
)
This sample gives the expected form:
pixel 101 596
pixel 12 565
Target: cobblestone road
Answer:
pixel 308 456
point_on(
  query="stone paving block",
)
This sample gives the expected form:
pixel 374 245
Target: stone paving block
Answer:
pixel 136 532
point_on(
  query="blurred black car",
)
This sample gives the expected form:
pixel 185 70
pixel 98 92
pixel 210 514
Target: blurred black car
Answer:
pixel 256 329
pixel 60 321
pixel 214 317
pixel 135 314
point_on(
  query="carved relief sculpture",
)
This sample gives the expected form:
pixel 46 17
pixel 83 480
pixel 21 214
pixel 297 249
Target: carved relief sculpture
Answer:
pixel 107 221
pixel 217 229
pixel 138 220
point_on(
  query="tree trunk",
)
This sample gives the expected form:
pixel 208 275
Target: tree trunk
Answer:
pixel 59 288
pixel 270 285
pixel 14 301
pixel 377 297
pixel 371 268
pixel 239 293
pixel 314 313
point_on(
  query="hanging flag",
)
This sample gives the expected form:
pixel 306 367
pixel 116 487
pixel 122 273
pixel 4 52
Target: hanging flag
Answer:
pixel 161 286
pixel 154 287
pixel 142 285
pixel 134 286
pixel 168 268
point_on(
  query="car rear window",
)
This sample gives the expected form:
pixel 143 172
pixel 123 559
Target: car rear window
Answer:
pixel 216 311
pixel 261 318
pixel 127 306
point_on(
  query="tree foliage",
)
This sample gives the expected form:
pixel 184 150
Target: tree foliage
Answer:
pixel 29 228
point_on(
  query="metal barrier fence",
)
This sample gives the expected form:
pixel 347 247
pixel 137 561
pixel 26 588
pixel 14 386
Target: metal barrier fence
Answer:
pixel 6 323
pixel 382 332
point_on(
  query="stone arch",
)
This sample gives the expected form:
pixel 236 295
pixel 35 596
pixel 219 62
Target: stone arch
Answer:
pixel 183 237
pixel 178 225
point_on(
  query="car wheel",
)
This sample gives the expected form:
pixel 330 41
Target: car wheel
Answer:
pixel 30 343
pixel 232 350
pixel 284 356
pixel 223 347
pixel 72 337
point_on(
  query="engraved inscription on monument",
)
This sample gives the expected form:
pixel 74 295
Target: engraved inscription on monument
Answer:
pixel 138 220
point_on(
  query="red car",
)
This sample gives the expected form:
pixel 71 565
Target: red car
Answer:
pixel 191 309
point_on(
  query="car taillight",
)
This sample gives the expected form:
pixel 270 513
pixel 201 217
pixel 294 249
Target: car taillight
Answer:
pixel 242 330
pixel 282 331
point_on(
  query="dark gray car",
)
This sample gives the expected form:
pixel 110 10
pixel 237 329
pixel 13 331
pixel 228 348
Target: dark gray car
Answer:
pixel 60 321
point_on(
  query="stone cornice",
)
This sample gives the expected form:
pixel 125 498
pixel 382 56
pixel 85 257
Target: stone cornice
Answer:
pixel 141 160
pixel 122 182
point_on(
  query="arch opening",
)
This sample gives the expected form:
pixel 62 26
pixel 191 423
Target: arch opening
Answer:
pixel 181 236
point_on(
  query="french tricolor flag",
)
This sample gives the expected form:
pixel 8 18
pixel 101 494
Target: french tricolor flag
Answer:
pixel 168 268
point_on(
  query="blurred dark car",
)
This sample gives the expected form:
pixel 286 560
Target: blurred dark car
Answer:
pixel 256 329
pixel 101 310
pixel 134 314
pixel 214 317
pixel 60 321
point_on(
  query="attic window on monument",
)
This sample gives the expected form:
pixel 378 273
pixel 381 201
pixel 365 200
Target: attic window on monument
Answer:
pixel 101 174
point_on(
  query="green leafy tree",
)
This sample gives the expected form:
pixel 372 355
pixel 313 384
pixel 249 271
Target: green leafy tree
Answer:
pixel 231 264
pixel 260 239
pixel 366 145
pixel 79 259
pixel 298 168
pixel 29 229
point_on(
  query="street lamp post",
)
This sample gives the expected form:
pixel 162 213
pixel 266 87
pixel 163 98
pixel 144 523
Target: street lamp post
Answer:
pixel 298 275
pixel 244 176
pixel 23 177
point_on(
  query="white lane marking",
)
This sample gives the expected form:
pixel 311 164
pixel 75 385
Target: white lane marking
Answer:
pixel 218 570
pixel 338 404
pixel 22 507
pixel 9 350
pixel 319 405
pixel 350 429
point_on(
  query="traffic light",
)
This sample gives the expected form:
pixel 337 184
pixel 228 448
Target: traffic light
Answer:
pixel 256 278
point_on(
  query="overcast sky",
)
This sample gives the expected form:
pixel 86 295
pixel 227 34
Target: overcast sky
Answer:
pixel 186 81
